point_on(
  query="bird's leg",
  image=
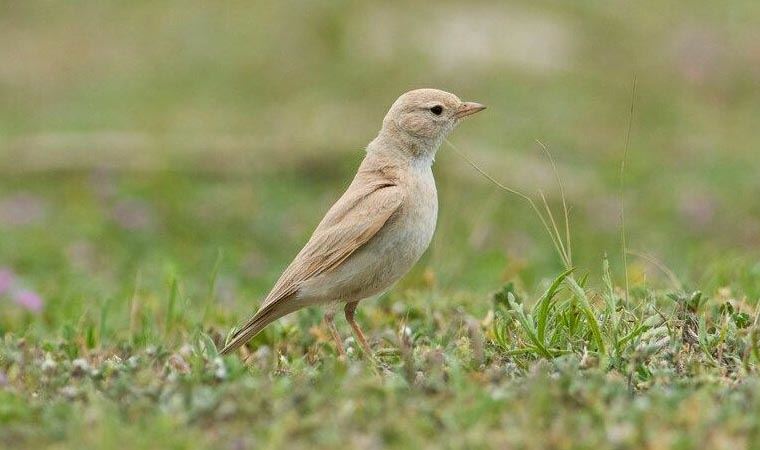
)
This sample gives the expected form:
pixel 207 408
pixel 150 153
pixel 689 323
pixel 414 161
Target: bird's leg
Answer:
pixel 330 321
pixel 350 310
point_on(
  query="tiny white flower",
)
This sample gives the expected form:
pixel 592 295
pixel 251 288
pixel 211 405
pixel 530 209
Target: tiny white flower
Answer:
pixel 80 366
pixel 48 365
pixel 220 371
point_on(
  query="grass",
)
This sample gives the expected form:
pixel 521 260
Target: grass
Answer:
pixel 153 185
pixel 572 367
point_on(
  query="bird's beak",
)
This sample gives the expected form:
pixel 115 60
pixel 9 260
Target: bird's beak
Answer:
pixel 468 109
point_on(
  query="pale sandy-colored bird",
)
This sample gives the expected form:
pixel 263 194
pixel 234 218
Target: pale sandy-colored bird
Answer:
pixel 381 225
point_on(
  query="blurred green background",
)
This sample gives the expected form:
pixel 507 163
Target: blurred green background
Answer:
pixel 151 137
pixel 162 162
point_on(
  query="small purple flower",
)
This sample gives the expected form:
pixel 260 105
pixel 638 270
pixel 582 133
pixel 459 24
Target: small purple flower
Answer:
pixel 6 280
pixel 29 300
pixel 3 379
pixel 22 209
pixel 133 215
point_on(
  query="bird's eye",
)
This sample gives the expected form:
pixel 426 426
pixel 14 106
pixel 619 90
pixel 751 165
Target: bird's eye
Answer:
pixel 437 110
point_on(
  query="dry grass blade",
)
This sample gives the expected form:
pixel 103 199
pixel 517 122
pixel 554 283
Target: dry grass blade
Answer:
pixel 660 265
pixel 563 254
pixel 623 238
pixel 564 199
pixel 555 236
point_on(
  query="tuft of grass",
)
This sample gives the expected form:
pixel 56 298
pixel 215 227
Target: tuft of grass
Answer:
pixel 683 332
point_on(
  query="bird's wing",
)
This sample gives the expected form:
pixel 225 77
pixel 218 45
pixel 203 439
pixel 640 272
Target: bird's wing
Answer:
pixel 354 219
pixel 350 223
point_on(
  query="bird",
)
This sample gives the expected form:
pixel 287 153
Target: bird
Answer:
pixel 378 229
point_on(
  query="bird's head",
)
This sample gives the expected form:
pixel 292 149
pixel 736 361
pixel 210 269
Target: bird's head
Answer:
pixel 421 119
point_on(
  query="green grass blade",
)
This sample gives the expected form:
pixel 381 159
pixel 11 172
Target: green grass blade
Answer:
pixel 588 312
pixel 528 325
pixel 543 307
pixel 171 306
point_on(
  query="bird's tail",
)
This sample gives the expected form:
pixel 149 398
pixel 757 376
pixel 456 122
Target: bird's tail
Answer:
pixel 258 322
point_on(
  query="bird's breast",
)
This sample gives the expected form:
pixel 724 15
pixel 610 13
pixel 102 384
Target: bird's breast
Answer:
pixel 420 212
pixel 390 254
pixel 409 232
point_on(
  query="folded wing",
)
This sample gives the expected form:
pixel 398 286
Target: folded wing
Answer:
pixel 362 211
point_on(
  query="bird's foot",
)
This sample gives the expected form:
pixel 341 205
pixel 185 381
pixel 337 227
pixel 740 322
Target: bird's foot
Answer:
pixel 330 322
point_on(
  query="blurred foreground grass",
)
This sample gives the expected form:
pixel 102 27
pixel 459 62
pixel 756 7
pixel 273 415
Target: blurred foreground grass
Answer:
pixel 161 163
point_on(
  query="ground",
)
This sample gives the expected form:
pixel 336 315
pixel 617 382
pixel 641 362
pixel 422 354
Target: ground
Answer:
pixel 160 166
